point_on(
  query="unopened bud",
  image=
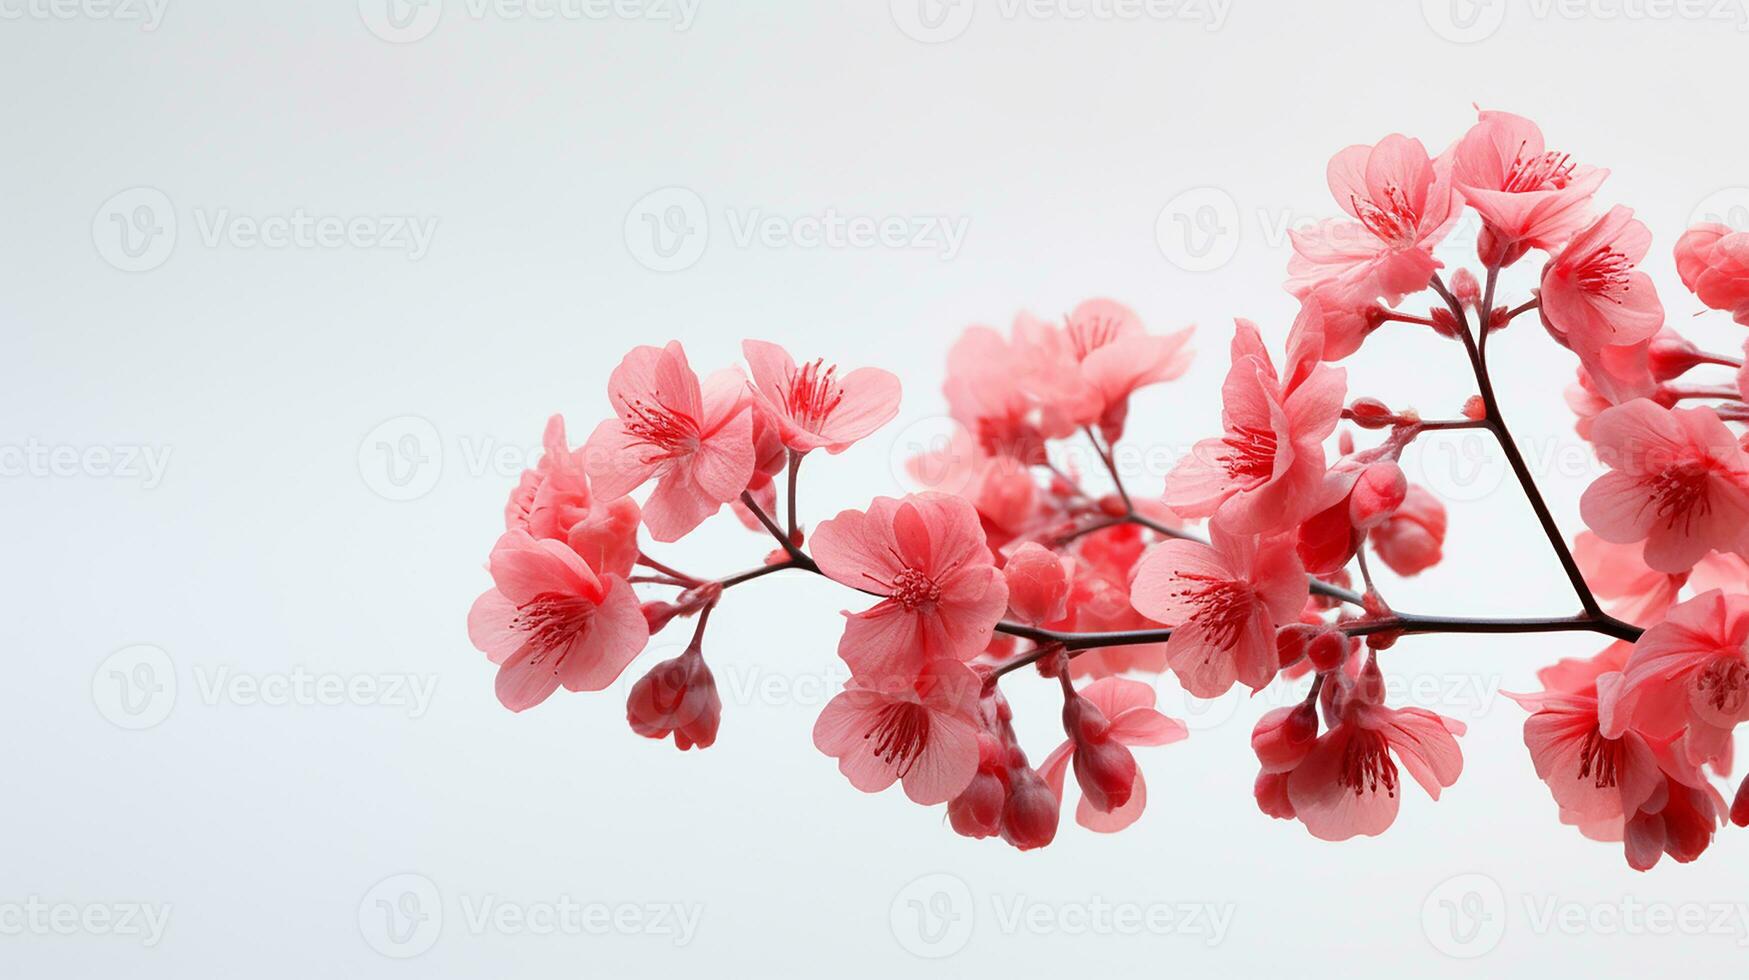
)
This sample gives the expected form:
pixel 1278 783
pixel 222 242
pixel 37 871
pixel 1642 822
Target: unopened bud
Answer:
pixel 1370 413
pixel 677 697
pixel 1377 495
pixel 1029 818
pixel 1327 651
pixel 1465 287
pixel 1284 737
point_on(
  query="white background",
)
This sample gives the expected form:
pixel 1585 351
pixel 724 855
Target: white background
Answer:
pixel 272 545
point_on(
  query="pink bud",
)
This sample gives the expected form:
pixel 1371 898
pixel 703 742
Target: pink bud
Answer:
pixel 1740 806
pixel 1106 771
pixel 1411 539
pixel 1291 642
pixel 677 697
pixel 977 811
pixel 1327 539
pixel 1029 819
pixel 1284 737
pixel 1327 651
pixel 659 614
pixel 1377 495
pixel 1038 584
pixel 1465 287
pixel 1670 355
pixel 1271 793
pixel 1370 413
pixel 1475 409
pixel 1444 323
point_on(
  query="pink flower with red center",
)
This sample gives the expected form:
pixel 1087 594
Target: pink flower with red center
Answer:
pixel 1713 262
pixel 1401 203
pixel 1105 719
pixel 926 557
pixel 1688 674
pixel 1224 600
pixel 1083 372
pixel 1528 196
pixel 921 731
pixel 1349 784
pixel 553 501
pixel 1678 481
pixel 1262 474
pixel 695 441
pixel 552 621
pixel 811 406
pixel 1593 294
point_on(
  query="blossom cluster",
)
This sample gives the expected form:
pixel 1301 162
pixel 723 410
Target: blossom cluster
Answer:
pixel 1253 566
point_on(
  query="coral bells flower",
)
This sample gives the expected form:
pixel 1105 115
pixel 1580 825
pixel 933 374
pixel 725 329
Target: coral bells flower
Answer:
pixel 1102 721
pixel 1349 784
pixel 1593 295
pixel 551 620
pixel 923 733
pixel 1225 600
pixel 1679 481
pixel 811 407
pixel 677 697
pixel 1401 203
pixel 1689 673
pixel 926 556
pixel 553 501
pixel 695 441
pixel 1528 196
pixel 1261 475
pixel 1713 262
pixel 1410 541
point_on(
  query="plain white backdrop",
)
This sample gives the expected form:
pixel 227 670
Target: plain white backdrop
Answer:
pixel 288 290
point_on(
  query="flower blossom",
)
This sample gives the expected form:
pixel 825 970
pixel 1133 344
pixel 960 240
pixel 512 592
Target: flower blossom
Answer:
pixel 1104 719
pixel 1713 262
pixel 553 501
pixel 810 406
pixel 1411 540
pixel 1688 675
pixel 1528 196
pixel 922 732
pixel 1083 372
pixel 1593 295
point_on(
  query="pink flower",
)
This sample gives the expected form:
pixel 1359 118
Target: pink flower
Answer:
pixel 677 697
pixel 1402 205
pixel 1619 571
pixel 923 733
pixel 1689 673
pixel 1678 481
pixel 811 407
pixel 1084 372
pixel 1106 717
pixel 553 501
pixel 697 443
pixel 1713 262
pixel 1348 784
pixel 550 620
pixel 926 556
pixel 1528 197
pixel 1593 295
pixel 1099 602
pixel 1225 600
pixel 984 394
pixel 1261 475
pixel 1410 541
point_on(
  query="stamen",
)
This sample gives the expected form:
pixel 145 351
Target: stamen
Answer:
pixel 813 393
pixel 667 432
pixel 1367 764
pixel 903 730
pixel 1600 759
pixel 1550 171
pixel 1680 493
pixel 1395 223
pixel 1250 452
pixel 1223 607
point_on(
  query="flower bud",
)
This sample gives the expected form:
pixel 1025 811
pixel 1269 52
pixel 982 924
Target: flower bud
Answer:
pixel 1106 771
pixel 659 614
pixel 1029 819
pixel 1370 413
pixel 1271 793
pixel 1284 737
pixel 1671 355
pixel 1327 540
pixel 1327 651
pixel 1740 806
pixel 1377 495
pixel 1411 539
pixel 1444 323
pixel 1475 409
pixel 977 811
pixel 677 697
pixel 1038 584
pixel 1465 287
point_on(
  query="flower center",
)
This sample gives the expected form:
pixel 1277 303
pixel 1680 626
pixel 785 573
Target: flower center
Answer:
pixel 1393 221
pixel 1367 765
pixel 912 588
pixel 1549 171
pixel 667 432
pixel 1680 494
pixel 551 621
pixel 1605 273
pixel 900 730
pixel 1721 690
pixel 1250 452
pixel 1599 759
pixel 813 393
pixel 1223 607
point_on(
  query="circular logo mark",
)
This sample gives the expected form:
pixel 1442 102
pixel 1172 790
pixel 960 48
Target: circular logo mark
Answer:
pixel 401 459
pixel 401 21
pixel 1465 916
pixel 135 230
pixel 1728 207
pixel 1464 21
pixel 401 916
pixel 932 917
pixel 1464 465
pixel 934 453
pixel 1200 714
pixel 135 687
pixel 1198 231
pixel 667 230
pixel 932 21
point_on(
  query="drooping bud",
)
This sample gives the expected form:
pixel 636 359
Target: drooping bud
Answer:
pixel 1284 737
pixel 1465 287
pixel 1271 793
pixel 1029 819
pixel 677 697
pixel 1327 651
pixel 1377 495
pixel 1038 584
pixel 1291 642
pixel 1327 539
pixel 1106 771
pixel 1740 806
pixel 659 614
pixel 1411 540
pixel 1671 355
pixel 977 811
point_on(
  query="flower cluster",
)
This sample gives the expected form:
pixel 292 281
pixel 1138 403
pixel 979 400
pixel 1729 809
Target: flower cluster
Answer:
pixel 1003 564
